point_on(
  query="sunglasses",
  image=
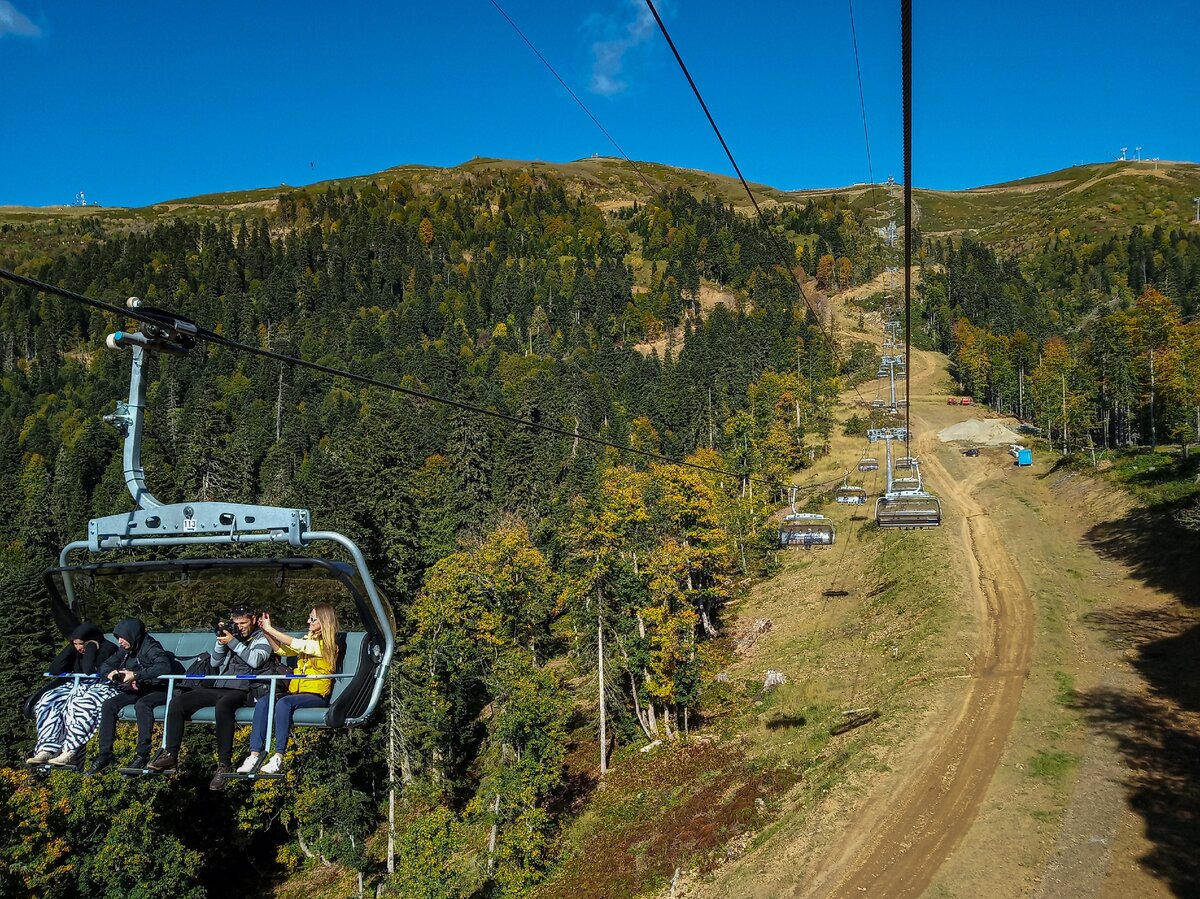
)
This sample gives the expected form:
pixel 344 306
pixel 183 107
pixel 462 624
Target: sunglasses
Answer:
pixel 312 618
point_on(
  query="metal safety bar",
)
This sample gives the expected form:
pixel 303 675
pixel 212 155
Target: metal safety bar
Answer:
pixel 171 678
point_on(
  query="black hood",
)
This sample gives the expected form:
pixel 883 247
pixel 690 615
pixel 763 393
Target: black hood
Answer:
pixel 86 631
pixel 132 630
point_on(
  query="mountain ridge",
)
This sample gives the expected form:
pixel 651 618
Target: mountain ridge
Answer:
pixel 1100 199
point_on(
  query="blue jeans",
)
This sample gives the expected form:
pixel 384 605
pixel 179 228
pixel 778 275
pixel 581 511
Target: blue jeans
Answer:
pixel 284 707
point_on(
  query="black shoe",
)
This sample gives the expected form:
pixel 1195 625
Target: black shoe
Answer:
pixel 219 778
pixel 141 760
pixel 102 762
pixel 164 761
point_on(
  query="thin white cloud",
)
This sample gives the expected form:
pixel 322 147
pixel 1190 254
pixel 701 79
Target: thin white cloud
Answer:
pixel 12 21
pixel 619 36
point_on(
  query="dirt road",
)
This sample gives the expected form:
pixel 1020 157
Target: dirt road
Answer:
pixel 905 833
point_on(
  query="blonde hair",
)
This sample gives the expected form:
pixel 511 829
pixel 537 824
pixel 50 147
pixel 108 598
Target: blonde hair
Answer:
pixel 329 631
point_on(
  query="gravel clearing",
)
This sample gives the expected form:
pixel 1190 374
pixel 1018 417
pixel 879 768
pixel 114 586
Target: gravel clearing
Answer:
pixel 982 432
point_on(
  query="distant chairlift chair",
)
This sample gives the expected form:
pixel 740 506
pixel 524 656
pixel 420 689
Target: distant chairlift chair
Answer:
pixel 850 494
pixel 906 504
pixel 806 529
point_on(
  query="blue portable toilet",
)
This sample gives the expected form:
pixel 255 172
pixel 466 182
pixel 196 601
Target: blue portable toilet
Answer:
pixel 1023 455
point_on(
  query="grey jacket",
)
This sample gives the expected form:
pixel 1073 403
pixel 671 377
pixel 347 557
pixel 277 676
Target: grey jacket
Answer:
pixel 240 656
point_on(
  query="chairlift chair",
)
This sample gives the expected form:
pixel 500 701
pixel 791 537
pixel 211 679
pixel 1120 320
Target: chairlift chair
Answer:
pixel 849 494
pixel 868 463
pixel 211 574
pixel 906 504
pixel 908 509
pixel 807 529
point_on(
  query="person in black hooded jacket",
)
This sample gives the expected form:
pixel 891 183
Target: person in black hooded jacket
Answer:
pixel 67 713
pixel 134 671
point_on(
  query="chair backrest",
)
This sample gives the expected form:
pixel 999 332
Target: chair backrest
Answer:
pixel 184 646
pixel 356 657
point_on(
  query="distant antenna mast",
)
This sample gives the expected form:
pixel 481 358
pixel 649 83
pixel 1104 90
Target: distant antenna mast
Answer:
pixel 1139 153
pixel 1123 150
pixel 80 199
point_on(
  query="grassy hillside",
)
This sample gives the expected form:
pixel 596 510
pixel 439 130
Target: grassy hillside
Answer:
pixel 1096 200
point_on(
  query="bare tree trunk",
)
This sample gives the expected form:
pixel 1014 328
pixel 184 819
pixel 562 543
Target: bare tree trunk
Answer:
pixel 637 707
pixel 492 835
pixel 1064 412
pixel 1153 430
pixel 391 772
pixel 279 408
pixel 710 629
pixel 651 721
pixel 603 708
pixel 303 845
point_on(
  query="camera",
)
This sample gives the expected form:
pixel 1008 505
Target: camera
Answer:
pixel 224 627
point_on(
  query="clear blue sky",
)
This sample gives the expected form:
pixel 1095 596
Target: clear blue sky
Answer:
pixel 136 102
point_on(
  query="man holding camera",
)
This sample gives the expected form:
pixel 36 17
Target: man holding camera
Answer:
pixel 241 648
pixel 133 669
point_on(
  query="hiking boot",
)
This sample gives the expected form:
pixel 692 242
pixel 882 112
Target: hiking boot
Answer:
pixel 164 761
pixel 219 778
pixel 101 762
pixel 39 758
pixel 141 760
pixel 65 759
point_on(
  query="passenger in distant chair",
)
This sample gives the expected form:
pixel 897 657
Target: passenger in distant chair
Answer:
pixel 241 648
pixel 316 653
pixel 68 712
pixel 133 670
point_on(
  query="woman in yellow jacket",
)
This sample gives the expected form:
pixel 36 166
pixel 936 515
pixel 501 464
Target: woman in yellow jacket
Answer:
pixel 316 653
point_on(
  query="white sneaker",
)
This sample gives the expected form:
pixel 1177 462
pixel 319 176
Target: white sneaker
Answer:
pixel 39 758
pixel 274 763
pixel 249 765
pixel 64 759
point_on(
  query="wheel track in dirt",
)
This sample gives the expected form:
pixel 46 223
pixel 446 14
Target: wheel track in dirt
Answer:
pixel 905 832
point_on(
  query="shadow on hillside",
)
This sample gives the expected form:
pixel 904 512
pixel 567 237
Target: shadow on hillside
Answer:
pixel 1161 752
pixel 1154 547
pixel 1158 730
pixel 1063 462
pixel 1165 648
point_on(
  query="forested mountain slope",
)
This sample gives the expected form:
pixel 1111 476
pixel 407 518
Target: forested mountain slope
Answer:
pixel 513 290
pixel 515 561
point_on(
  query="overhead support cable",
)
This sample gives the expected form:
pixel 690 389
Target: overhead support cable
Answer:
pixel 863 105
pixel 787 259
pixel 906 66
pixel 612 140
